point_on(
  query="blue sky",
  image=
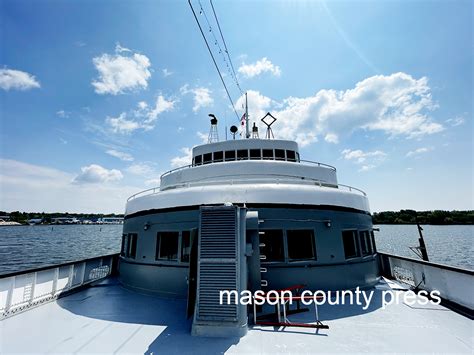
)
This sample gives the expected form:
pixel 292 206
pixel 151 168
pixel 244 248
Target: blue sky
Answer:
pixel 98 98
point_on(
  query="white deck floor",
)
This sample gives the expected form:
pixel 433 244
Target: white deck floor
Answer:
pixel 108 318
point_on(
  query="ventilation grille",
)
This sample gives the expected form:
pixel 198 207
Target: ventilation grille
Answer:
pixel 217 263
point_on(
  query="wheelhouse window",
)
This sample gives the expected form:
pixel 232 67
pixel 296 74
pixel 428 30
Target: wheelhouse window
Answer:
pixel 198 160
pixel 364 243
pixel 185 246
pixel 207 158
pixel 167 246
pixel 273 245
pixel 301 245
pixel 242 154
pixel 218 156
pixel 129 245
pixel 229 155
pixel 255 154
pixel 123 250
pixel 290 155
pixel 267 154
pixel 351 247
pixel 372 237
pixel 279 154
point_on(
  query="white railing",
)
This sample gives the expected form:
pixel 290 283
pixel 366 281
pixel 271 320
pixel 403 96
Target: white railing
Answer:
pixel 454 284
pixel 276 179
pixel 23 290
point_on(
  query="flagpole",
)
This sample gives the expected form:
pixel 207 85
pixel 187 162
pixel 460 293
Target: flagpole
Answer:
pixel 247 117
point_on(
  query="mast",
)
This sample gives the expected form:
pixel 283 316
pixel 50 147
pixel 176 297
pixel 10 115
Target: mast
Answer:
pixel 247 131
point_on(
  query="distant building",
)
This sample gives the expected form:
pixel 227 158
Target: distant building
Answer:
pixel 64 220
pixel 110 220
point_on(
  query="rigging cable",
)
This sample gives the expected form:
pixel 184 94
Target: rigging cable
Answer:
pixel 212 56
pixel 225 46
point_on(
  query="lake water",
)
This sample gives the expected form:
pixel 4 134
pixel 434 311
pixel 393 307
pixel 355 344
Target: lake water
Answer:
pixel 25 247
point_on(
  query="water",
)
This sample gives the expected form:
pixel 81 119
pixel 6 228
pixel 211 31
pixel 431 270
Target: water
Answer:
pixel 25 247
pixel 450 245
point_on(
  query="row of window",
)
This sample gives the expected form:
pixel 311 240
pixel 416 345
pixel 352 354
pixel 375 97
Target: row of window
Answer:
pixel 358 243
pixel 246 154
pixel 300 245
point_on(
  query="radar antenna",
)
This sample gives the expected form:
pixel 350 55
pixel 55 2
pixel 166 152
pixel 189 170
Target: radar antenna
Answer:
pixel 213 134
pixel 268 119
pixel 254 131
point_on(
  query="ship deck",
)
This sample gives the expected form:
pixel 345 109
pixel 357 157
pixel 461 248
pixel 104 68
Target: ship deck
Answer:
pixel 107 318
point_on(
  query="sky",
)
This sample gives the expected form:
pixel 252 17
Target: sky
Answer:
pixel 99 98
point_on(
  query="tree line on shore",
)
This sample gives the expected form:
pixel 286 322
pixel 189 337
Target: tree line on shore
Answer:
pixel 24 217
pixel 387 217
pixel 423 217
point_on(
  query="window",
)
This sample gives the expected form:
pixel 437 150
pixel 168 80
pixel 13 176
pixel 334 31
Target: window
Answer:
pixel 207 158
pixel 374 248
pixel 218 156
pixel 132 240
pixel 290 155
pixel 273 249
pixel 185 246
pixel 229 155
pixel 167 246
pixel 198 160
pixel 124 249
pixel 351 248
pixel 364 242
pixel 301 244
pixel 267 154
pixel 242 154
pixel 279 154
pixel 255 154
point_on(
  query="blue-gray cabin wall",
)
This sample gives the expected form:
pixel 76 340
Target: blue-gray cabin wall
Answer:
pixel 329 271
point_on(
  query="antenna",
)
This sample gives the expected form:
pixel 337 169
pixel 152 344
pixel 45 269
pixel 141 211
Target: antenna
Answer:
pixel 233 130
pixel 268 122
pixel 247 132
pixel 254 131
pixel 213 134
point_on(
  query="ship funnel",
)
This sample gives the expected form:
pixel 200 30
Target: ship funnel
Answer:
pixel 213 134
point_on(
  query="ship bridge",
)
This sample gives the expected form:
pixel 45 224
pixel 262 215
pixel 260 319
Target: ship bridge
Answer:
pixel 251 160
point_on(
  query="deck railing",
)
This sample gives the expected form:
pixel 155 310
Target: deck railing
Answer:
pixel 236 180
pixel 23 290
pixel 456 285
pixel 306 162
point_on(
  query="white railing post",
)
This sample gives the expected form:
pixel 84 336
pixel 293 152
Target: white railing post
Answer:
pixel 10 294
pixel 55 281
pixel 70 276
pixel 33 286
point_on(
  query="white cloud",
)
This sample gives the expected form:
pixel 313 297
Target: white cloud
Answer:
pixel 63 114
pixel 141 169
pixel 97 174
pixel 17 80
pixel 456 121
pixel 62 140
pixel 360 156
pixel 121 155
pixel 367 160
pixel 331 138
pixel 419 151
pixel 123 125
pixel 28 187
pixel 203 137
pixel 201 95
pixel 121 73
pixel 396 104
pixel 161 105
pixel 153 182
pixel 166 72
pixel 141 118
pixel 184 159
pixel 260 66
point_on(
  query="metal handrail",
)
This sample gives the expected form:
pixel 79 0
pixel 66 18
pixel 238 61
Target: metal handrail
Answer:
pixel 154 189
pixel 289 178
pixel 229 161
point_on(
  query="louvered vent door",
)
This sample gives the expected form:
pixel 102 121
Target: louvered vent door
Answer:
pixel 218 262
